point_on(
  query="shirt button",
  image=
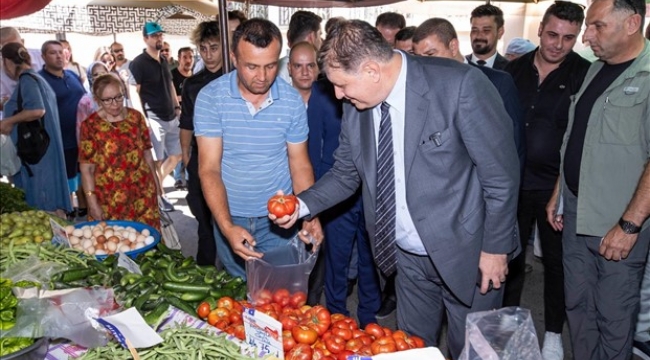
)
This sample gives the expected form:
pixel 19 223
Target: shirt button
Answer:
pixel 527 124
pixel 403 207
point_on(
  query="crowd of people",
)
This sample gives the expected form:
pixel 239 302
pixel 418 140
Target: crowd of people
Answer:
pixel 413 163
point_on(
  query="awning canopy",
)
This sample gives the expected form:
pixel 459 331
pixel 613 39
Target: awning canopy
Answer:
pixel 10 9
pixel 320 3
pixel 204 7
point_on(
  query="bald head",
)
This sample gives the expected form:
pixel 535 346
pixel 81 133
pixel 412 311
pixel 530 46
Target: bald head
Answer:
pixel 303 67
pixel 9 35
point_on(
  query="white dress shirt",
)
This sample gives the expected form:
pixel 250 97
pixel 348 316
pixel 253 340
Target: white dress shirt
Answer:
pixel 489 62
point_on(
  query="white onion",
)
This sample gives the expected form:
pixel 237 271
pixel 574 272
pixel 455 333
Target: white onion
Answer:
pixel 146 232
pixel 86 243
pixel 78 233
pixel 149 240
pixel 124 248
pixel 139 245
pixel 91 250
pixel 69 229
pixel 74 240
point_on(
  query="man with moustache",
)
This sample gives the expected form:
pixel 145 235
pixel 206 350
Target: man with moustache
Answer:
pixel 604 184
pixel 487 29
pixel 207 38
pixel 546 79
pixel 160 104
pixel 251 131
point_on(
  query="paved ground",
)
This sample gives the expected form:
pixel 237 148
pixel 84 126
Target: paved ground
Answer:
pixel 532 298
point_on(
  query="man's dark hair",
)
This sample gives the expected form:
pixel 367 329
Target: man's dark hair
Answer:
pixel 565 10
pixel 351 42
pixel 204 31
pixel 332 22
pixel 48 43
pixel 184 49
pixel 302 23
pixel 405 34
pixel 391 20
pixel 636 6
pixel 257 31
pixel 440 27
pixel 237 15
pixel 488 10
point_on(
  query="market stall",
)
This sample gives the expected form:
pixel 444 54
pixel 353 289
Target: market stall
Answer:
pixel 113 289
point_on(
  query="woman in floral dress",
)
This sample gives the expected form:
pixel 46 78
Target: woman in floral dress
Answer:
pixel 117 168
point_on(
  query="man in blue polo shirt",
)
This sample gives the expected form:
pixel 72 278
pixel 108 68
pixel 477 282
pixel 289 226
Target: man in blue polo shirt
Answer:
pixel 69 90
pixel 251 133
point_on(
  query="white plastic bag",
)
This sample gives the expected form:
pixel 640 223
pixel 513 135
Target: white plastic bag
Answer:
pixel 9 161
pixel 504 334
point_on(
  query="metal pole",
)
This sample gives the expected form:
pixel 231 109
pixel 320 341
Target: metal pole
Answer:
pixel 225 41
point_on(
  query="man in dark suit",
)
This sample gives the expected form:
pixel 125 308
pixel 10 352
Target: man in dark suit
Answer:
pixel 437 37
pixel 440 203
pixel 487 29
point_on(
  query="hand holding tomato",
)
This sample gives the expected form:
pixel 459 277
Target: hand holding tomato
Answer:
pixel 283 209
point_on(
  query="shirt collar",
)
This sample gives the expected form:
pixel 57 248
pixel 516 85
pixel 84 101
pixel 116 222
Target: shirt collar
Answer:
pixel 236 94
pixel 489 62
pixel 397 96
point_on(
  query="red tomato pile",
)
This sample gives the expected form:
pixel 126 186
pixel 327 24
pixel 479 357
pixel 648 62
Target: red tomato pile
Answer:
pixel 226 315
pixel 312 333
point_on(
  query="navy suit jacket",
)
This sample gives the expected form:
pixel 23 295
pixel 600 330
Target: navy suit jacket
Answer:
pixel 324 113
pixel 508 90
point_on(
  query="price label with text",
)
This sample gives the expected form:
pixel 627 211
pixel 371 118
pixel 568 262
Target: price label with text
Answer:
pixel 263 332
pixel 59 236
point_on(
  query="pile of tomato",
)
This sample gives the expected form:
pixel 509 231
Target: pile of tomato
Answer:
pixel 309 333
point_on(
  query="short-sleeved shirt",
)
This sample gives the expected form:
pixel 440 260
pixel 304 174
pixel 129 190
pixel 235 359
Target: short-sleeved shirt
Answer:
pixel 191 89
pixel 155 82
pixel 255 163
pixel 178 80
pixel 69 90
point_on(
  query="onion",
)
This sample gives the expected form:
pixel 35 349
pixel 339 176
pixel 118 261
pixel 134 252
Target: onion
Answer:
pixel 74 240
pixel 88 233
pixel 86 243
pixel 69 229
pixel 139 245
pixel 114 239
pixel 140 238
pixel 101 239
pixel 146 232
pixel 91 250
pixel 111 247
pixel 124 248
pixel 99 246
pixel 108 233
pixel 78 233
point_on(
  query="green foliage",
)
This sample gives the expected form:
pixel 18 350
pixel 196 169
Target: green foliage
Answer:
pixel 12 199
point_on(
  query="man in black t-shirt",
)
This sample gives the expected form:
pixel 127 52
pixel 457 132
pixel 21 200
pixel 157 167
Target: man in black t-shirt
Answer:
pixel 179 74
pixel 545 79
pixel 604 185
pixel 206 37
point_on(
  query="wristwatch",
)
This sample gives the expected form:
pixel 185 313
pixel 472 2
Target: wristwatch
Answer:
pixel 629 227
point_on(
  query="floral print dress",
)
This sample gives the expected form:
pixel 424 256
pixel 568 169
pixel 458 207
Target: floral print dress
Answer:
pixel 124 183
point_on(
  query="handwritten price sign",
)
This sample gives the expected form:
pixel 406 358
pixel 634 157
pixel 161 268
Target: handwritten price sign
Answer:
pixel 263 332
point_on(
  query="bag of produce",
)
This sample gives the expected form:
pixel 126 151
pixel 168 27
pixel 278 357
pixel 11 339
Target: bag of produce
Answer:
pixel 505 334
pixel 285 267
pixel 9 160
pixel 168 232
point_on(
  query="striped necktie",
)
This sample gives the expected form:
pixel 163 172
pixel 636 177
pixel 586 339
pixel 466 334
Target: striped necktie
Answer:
pixel 385 247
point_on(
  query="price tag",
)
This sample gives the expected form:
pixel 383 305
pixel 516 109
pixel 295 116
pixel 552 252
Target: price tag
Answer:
pixel 124 261
pixel 263 332
pixel 59 236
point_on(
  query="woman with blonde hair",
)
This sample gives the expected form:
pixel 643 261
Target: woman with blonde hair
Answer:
pixel 117 168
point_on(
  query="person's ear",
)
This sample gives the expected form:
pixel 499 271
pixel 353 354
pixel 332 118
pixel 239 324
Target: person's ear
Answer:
pixel 500 32
pixel 371 69
pixel 454 46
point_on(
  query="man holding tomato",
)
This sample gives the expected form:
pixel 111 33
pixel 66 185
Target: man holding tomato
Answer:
pixel 431 145
pixel 251 133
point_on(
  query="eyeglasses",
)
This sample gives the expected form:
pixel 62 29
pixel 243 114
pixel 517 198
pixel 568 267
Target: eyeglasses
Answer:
pixel 108 101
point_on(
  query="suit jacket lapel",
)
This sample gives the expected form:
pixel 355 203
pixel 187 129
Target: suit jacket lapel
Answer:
pixel 415 115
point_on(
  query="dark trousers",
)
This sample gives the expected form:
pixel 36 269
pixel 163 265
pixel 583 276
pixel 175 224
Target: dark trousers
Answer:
pixel 423 299
pixel 602 296
pixel 531 210
pixel 345 228
pixel 207 250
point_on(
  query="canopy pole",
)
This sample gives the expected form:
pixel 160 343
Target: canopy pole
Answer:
pixel 225 38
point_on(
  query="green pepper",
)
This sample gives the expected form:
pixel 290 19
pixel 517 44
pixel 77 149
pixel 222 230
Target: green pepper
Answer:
pixel 8 302
pixel 26 284
pixel 6 325
pixel 77 274
pixel 172 275
pixel 7 315
pixel 4 292
pixel 5 282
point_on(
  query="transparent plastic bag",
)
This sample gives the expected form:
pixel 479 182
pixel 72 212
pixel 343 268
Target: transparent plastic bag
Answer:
pixel 33 269
pixel 285 267
pixel 504 334
pixel 68 314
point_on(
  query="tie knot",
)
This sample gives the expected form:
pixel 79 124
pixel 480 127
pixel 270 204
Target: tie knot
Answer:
pixel 384 107
pixel 480 62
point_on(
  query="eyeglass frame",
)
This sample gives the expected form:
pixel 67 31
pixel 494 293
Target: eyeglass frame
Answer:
pixel 116 99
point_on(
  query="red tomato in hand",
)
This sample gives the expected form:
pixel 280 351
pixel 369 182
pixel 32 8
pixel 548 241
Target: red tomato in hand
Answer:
pixel 281 205
pixel 304 334
pixel 300 352
pixel 298 299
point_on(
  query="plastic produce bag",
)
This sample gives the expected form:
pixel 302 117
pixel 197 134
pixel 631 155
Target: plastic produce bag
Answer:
pixel 9 160
pixel 285 267
pixel 68 314
pixel 33 269
pixel 504 334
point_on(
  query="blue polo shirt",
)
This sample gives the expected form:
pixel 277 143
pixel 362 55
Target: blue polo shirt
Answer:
pixel 69 90
pixel 255 163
